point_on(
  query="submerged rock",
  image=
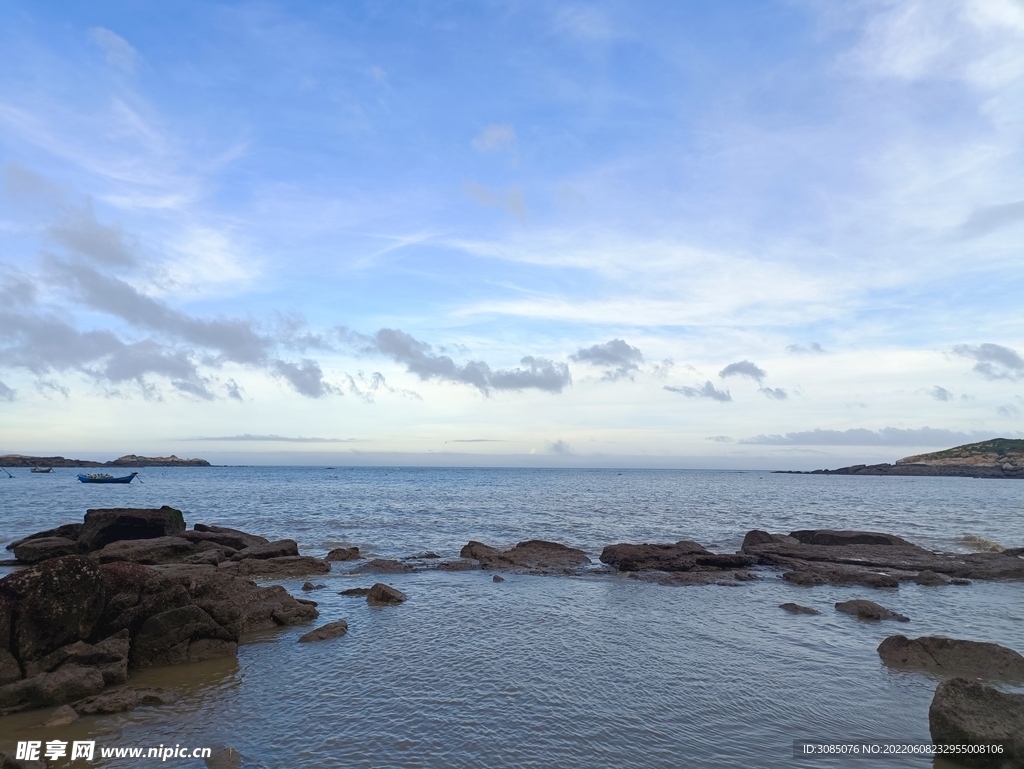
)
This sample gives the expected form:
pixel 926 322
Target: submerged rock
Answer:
pixel 280 549
pixel 796 608
pixel 965 712
pixel 929 578
pixel 322 633
pixel 533 556
pixel 383 566
pixel 280 568
pixel 459 564
pixel 355 591
pixel 122 700
pixel 869 610
pixel 344 554
pixel 307 586
pixel 62 716
pixel 497 578
pixel 952 655
pixel 384 595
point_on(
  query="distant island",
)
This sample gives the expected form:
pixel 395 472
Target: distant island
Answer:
pixel 997 458
pixel 128 460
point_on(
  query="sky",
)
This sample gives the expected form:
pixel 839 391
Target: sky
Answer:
pixel 767 235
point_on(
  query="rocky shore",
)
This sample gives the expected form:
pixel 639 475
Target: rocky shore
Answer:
pixel 128 460
pixel 133 588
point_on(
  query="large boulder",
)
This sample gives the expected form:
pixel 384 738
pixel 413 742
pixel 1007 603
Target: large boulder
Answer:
pixel 42 548
pixel 533 556
pixel 868 610
pixel 67 683
pixel 322 633
pixel 384 595
pixel 279 549
pixel 109 656
pixel 279 568
pixel 185 634
pixel 830 538
pixel 221 535
pixel 10 670
pixel 681 556
pixel 952 655
pixel 67 531
pixel 103 526
pixel 51 604
pixel 147 551
pixel 965 712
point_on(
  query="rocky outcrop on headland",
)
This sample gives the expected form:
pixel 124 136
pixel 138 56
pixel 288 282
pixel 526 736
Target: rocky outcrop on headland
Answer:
pixel 965 712
pixel 535 556
pixel 872 559
pixel 952 656
pixel 140 591
pixel 128 460
pixel 997 458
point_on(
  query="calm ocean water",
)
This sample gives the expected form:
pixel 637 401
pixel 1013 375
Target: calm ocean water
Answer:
pixel 598 670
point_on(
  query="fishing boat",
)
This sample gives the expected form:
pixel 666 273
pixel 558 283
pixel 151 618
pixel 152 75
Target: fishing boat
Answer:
pixel 41 470
pixel 105 478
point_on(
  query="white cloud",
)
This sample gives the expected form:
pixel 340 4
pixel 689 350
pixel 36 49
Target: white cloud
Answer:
pixel 495 138
pixel 119 51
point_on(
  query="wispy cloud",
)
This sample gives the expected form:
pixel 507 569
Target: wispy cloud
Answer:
pixel 420 359
pixel 887 436
pixel 559 447
pixel 619 359
pixel 993 361
pixel 706 391
pixel 7 393
pixel 941 393
pixel 495 138
pixel 988 219
pixel 119 51
pixel 809 349
pixel 743 368
pixel 247 438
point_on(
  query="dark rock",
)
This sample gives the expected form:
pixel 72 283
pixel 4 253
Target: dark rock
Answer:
pixel 322 633
pixel 9 761
pixel 429 555
pixel 282 568
pixel 848 557
pixel 830 538
pixel 104 526
pixel 796 608
pixel 356 591
pixel 868 610
pixel 682 556
pixel 224 758
pixel 459 564
pixel 952 655
pixel 219 535
pixel 344 554
pixel 930 579
pixel 826 574
pixel 280 549
pixel 68 683
pixel 62 716
pixel 310 586
pixel 109 656
pixel 52 604
pixel 498 578
pixel 36 550
pixel 185 634
pixel 965 712
pixel 533 556
pixel 383 566
pixel 146 551
pixel 959 581
pixel 10 670
pixel 384 595
pixel 67 531
pixel 122 700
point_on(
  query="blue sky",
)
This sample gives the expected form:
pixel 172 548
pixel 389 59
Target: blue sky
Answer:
pixel 668 234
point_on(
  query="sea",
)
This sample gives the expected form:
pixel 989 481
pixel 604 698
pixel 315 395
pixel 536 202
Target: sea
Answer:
pixel 596 670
